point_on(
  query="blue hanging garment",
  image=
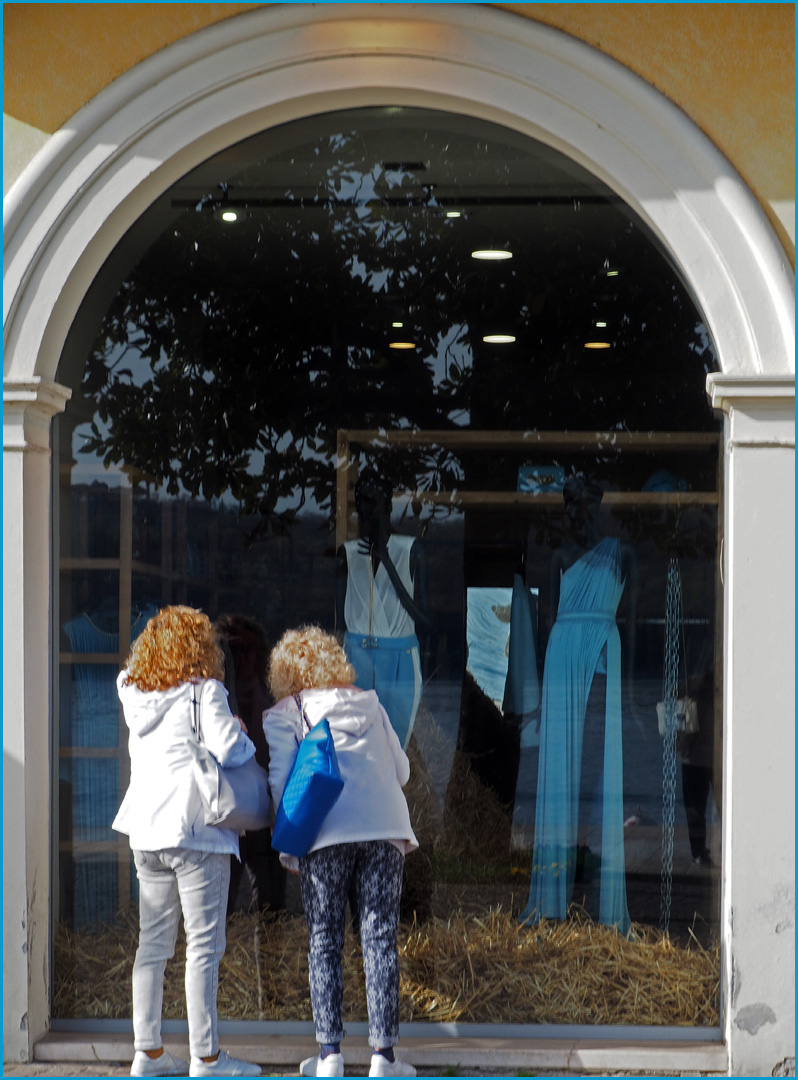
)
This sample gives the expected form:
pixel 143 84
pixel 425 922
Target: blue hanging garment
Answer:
pixel 522 689
pixel 584 637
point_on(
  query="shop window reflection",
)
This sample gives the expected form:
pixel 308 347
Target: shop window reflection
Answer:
pixel 226 403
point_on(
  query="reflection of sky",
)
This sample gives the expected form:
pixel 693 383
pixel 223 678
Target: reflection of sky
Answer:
pixel 487 634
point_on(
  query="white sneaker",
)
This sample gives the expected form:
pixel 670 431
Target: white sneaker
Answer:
pixel 165 1065
pixel 224 1066
pixel 381 1066
pixel 332 1065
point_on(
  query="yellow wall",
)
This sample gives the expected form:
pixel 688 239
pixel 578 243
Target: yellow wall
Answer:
pixel 56 57
pixel 730 67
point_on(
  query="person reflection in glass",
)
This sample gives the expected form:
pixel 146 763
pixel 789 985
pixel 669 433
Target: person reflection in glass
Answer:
pixel 696 753
pixel 248 648
pixel 381 599
pixel 581 700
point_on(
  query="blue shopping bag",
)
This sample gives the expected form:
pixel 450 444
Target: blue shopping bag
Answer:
pixel 312 790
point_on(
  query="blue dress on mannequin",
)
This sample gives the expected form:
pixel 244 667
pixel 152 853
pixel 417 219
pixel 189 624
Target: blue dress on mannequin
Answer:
pixel 584 641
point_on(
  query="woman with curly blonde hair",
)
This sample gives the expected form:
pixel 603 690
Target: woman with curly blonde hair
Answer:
pixel 307 658
pixel 361 845
pixel 183 865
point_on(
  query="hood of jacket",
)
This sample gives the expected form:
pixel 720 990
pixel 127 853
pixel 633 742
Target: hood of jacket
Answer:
pixel 145 709
pixel 347 708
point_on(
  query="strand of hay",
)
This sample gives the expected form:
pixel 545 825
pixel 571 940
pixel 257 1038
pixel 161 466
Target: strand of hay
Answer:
pixel 465 968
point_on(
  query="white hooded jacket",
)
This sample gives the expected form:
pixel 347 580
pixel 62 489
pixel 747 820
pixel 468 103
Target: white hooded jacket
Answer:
pixel 162 807
pixel 373 765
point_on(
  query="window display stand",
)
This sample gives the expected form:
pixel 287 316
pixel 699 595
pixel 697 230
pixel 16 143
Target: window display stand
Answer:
pixel 356 447
pixel 352 442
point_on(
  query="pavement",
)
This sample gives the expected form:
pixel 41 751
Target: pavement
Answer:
pixel 89 1054
pixel 64 1069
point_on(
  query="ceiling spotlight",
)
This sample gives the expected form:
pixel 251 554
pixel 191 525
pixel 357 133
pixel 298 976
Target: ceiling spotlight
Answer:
pixel 404 166
pixel 498 339
pixel 597 345
pixel 229 215
pixel 492 254
pixel 401 345
pixel 397 324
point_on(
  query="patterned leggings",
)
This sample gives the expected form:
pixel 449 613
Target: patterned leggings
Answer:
pixel 375 869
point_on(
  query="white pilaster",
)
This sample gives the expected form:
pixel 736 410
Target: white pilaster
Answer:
pixel 28 409
pixel 759 769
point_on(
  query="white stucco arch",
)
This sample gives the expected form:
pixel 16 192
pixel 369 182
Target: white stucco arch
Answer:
pixel 93 179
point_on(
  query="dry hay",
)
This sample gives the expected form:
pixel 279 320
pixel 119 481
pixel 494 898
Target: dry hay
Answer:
pixel 465 968
pixel 477 826
pixel 488 969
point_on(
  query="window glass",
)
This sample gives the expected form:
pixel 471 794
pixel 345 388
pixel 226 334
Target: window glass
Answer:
pixel 405 323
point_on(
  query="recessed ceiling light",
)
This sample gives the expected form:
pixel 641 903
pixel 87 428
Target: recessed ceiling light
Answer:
pixel 597 345
pixel 492 254
pixel 498 339
pixel 401 345
pixel 404 166
pixel 229 215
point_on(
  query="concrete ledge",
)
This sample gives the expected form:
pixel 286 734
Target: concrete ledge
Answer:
pixel 497 1055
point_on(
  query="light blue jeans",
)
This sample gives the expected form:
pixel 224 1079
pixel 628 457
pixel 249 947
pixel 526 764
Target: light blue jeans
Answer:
pixel 196 883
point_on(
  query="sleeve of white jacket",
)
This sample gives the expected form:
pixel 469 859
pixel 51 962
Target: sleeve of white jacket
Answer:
pixel 400 758
pixel 282 737
pixel 221 731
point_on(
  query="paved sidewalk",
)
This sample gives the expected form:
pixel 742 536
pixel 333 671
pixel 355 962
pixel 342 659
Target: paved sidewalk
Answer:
pixel 64 1069
pixel 109 1054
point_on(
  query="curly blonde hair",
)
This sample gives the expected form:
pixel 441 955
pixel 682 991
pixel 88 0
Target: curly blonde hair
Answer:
pixel 307 658
pixel 177 645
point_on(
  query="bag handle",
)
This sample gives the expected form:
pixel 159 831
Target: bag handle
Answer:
pixel 297 698
pixel 196 707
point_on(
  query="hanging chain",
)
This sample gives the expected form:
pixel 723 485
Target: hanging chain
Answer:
pixel 670 687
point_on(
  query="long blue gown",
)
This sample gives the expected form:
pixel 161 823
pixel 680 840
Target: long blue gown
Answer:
pixel 584 638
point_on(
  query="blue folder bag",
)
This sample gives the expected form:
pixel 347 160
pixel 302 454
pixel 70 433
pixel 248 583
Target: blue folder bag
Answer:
pixel 312 790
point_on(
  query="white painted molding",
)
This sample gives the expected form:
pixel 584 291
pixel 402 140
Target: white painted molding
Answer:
pixel 28 408
pixel 761 409
pixel 93 178
pixel 725 390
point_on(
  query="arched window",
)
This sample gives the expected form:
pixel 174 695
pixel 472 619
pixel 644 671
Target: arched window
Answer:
pixel 490 331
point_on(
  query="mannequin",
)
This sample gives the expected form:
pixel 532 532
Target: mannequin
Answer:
pixel 582 693
pixel 381 600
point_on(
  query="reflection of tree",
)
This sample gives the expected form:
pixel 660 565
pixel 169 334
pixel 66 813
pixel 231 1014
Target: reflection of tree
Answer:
pixel 230 356
pixel 257 342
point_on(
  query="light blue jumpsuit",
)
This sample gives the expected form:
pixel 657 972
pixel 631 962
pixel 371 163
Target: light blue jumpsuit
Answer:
pixel 584 638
